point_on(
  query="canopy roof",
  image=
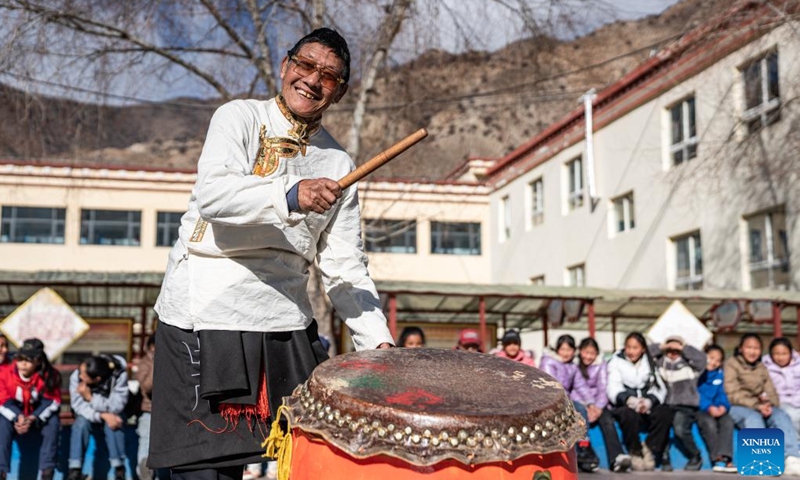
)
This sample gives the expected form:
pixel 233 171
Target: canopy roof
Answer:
pixel 101 294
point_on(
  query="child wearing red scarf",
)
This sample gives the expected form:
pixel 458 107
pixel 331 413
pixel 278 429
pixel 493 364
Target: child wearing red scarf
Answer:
pixel 30 398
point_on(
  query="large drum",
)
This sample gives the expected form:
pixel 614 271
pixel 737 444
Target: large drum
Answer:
pixel 434 414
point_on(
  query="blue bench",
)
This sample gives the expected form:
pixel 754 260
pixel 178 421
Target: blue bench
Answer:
pixel 677 458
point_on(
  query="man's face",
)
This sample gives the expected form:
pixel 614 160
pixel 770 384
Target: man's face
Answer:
pixel 305 95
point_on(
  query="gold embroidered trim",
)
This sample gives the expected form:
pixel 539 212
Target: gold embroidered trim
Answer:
pixel 270 152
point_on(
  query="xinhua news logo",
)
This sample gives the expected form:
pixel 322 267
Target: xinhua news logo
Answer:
pixel 759 452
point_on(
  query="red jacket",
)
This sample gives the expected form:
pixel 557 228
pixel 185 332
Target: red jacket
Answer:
pixel 26 397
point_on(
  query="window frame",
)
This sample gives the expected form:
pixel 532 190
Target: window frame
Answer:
pixel 628 220
pixel 768 241
pixel 695 280
pixel 536 200
pixel 766 112
pixel 407 230
pixel 134 219
pixel 504 232
pixel 575 196
pixel 163 227
pixel 9 216
pixel 580 275
pixel 537 280
pixel 684 146
pixel 475 239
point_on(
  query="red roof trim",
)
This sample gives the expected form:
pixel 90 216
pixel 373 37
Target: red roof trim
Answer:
pixel 674 55
pixel 99 166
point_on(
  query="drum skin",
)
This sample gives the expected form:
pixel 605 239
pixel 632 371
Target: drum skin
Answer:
pixel 315 459
pixel 427 413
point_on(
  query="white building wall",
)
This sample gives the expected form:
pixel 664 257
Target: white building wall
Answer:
pixel 711 193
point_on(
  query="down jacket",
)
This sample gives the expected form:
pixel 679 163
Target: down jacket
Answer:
pixel 745 382
pixel 591 390
pixel 786 379
pixel 628 379
pixel 564 372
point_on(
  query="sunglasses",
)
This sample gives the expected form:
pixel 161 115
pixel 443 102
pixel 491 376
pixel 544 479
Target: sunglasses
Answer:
pixel 327 77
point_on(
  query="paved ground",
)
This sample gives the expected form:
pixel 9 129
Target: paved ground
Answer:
pixel 676 475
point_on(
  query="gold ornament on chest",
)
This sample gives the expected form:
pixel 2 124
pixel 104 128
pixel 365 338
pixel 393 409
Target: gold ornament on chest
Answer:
pixel 272 149
pixel 270 152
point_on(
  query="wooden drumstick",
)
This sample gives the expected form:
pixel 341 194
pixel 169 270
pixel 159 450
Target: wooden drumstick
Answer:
pixel 378 160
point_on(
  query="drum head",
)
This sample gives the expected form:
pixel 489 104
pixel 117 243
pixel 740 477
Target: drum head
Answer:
pixel 428 405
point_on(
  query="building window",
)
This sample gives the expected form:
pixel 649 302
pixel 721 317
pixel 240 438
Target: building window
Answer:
pixel 575 184
pixel 761 92
pixel 32 225
pixel 167 228
pixel 684 132
pixel 769 250
pixel 456 238
pixel 576 276
pixel 505 219
pixel 622 213
pixel 537 202
pixel 537 280
pixel 689 262
pixel 390 236
pixel 110 227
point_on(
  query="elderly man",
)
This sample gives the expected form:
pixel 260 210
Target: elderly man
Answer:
pixel 236 331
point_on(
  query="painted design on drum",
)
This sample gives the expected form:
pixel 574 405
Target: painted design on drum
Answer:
pixel 368 381
pixel 542 383
pixel 543 475
pixel 361 364
pixel 415 398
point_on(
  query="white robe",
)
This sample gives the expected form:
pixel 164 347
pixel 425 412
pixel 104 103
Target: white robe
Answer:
pixel 249 272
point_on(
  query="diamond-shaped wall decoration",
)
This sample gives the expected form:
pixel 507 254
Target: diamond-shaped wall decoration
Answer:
pixel 46 316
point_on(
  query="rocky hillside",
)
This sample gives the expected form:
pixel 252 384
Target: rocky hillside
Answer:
pixel 473 104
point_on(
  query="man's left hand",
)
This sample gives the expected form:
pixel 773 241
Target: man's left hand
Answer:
pixel 385 345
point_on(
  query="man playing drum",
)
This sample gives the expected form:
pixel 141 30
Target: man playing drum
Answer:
pixel 236 332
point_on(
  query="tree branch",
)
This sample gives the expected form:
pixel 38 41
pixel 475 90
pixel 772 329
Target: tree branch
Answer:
pixel 95 28
pixel 263 62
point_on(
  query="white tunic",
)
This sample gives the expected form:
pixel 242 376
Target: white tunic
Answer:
pixel 250 270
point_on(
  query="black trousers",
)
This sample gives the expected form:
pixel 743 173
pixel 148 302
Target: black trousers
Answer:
pixel 683 418
pixel 222 473
pixel 613 445
pixel 657 424
pixel 718 435
pixel 187 432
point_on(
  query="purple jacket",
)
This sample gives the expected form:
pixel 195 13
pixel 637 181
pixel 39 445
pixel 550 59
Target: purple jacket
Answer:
pixel 592 390
pixel 551 364
pixel 786 379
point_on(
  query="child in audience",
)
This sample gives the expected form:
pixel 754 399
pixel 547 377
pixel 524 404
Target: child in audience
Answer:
pixel 5 358
pixel 512 349
pixel 680 365
pixel 716 426
pixel 754 401
pixel 560 364
pixel 30 399
pixel 411 337
pixel 783 365
pixel 637 393
pixel 589 391
pixel 98 393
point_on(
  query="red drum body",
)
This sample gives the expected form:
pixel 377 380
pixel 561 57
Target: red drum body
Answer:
pixel 434 414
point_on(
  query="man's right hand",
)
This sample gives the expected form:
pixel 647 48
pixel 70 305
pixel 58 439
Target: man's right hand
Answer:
pixel 318 194
pixel 114 422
